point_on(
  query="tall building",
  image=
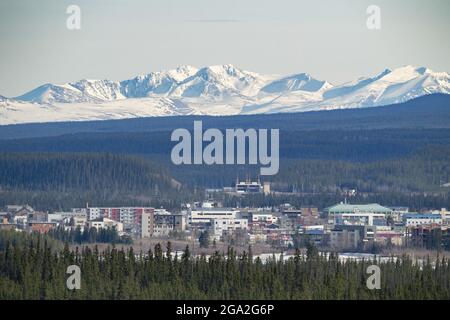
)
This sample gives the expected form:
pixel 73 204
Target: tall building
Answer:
pixel 147 224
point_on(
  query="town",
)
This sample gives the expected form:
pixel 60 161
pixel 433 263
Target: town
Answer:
pixel 343 227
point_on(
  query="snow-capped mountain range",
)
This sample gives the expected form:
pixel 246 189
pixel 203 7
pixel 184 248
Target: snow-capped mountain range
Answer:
pixel 215 90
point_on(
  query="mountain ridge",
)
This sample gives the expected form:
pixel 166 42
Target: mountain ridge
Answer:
pixel 215 90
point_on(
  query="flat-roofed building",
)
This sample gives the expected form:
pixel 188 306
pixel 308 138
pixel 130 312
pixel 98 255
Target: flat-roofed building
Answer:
pixel 249 187
pixel 221 227
pixel 205 215
pixel 351 236
pixel 417 219
pixel 147 224
pixel 165 222
pixel 357 214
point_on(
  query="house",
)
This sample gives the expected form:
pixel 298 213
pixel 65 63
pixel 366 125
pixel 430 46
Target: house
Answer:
pixel 19 210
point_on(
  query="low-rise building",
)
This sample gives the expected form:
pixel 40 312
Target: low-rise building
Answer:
pixel 387 236
pixel 250 187
pixel 205 215
pixel 351 236
pixel 5 223
pixel 165 222
pixel 266 217
pixel 78 221
pixel 417 219
pixel 431 237
pixel 161 223
pixel 227 226
pixel 105 223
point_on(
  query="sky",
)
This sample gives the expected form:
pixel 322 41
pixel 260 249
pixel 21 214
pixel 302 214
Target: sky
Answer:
pixel 120 39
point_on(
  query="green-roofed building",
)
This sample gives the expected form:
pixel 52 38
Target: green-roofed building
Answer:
pixel 358 214
pixel 346 208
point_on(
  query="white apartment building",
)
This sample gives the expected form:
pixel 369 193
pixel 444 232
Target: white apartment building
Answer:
pixel 221 226
pixel 205 215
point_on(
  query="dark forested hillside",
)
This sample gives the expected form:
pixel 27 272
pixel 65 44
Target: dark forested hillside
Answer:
pixel 391 153
pixel 354 145
pixel 63 179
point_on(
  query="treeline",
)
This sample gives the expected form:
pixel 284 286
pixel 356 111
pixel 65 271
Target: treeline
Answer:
pixel 415 202
pixel 423 170
pixel 35 271
pixel 88 235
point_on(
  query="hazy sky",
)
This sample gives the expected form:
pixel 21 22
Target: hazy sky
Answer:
pixel 123 38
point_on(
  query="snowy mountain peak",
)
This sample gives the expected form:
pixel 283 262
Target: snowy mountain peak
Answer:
pixel 215 90
pixel 406 73
pixel 219 81
pixel 156 83
pixel 297 82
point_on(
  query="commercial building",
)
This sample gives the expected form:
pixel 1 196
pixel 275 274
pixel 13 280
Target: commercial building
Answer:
pixel 358 214
pixel 205 215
